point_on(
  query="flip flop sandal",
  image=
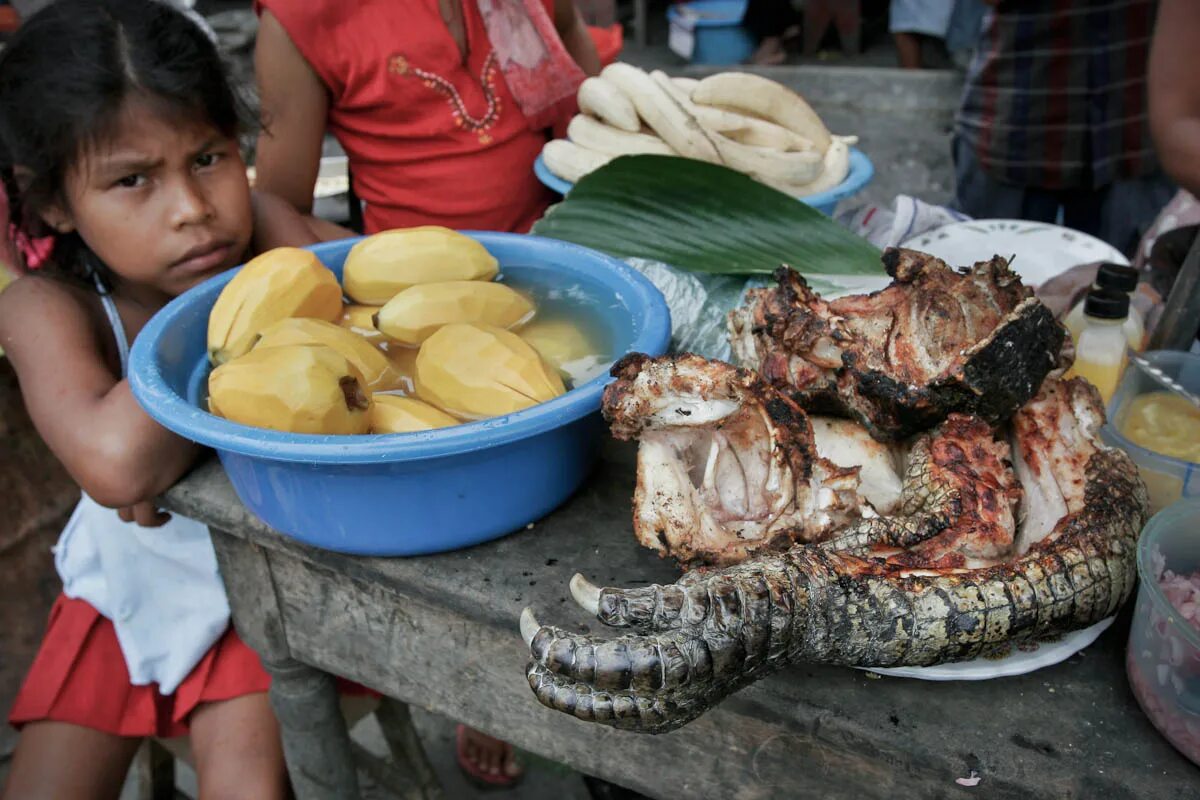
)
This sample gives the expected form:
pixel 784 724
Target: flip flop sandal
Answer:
pixel 472 771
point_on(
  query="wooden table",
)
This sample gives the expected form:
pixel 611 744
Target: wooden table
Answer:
pixel 441 632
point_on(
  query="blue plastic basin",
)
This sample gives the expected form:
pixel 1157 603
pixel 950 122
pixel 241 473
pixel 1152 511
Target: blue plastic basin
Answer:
pixel 718 35
pixel 409 493
pixel 861 173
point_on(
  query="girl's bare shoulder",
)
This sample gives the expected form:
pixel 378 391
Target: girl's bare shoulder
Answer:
pixel 46 313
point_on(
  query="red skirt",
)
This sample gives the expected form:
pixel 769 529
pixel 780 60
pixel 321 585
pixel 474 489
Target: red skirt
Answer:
pixel 79 676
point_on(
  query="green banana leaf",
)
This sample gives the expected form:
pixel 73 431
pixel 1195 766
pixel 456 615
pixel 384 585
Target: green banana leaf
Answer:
pixel 704 218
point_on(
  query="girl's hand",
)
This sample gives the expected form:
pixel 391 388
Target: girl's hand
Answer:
pixel 146 514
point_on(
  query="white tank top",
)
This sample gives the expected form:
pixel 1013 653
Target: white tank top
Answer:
pixel 159 586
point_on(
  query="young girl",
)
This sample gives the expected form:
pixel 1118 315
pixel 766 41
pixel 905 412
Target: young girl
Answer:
pixel 118 145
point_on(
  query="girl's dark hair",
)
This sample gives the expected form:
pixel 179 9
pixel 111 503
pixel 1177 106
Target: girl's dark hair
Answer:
pixel 63 79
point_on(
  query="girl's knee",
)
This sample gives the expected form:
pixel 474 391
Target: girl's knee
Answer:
pixel 238 750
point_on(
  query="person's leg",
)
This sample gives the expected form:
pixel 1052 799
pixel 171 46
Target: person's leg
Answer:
pixel 58 759
pixel 237 749
pixel 908 50
pixel 1128 208
pixel 981 196
pixel 770 22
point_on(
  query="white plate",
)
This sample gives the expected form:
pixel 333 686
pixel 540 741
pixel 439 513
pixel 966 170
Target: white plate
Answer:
pixel 1020 660
pixel 1042 250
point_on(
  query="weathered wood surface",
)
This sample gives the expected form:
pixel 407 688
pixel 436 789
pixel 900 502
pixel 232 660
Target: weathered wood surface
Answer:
pixel 441 631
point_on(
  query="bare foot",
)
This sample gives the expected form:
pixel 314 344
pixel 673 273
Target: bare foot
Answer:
pixel 487 758
pixel 770 52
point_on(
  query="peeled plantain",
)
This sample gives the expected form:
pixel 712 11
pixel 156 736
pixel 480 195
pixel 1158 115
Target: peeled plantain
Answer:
pixel 376 370
pixel 392 413
pixel 477 371
pixel 360 319
pixel 280 283
pixel 385 264
pixel 414 314
pixel 301 388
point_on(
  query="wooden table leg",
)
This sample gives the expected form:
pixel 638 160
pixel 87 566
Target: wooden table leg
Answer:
pixel 395 720
pixel 316 743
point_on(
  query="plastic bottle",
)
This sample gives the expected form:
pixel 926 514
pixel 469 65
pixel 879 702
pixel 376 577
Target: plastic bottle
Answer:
pixel 1117 278
pixel 1100 350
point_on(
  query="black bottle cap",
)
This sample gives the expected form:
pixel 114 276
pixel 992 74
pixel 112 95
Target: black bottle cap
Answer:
pixel 1117 276
pixel 1106 304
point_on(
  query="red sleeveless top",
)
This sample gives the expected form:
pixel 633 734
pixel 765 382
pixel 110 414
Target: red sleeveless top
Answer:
pixel 431 140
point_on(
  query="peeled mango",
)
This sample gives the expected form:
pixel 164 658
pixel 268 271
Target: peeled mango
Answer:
pixel 478 371
pixel 361 320
pixel 385 264
pixel 559 341
pixel 280 283
pixel 302 388
pixel 412 316
pixel 391 413
pixel 374 366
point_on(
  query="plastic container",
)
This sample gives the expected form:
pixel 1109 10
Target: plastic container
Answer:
pixel 410 493
pixel 1168 479
pixel 1100 351
pixel 862 171
pixel 1118 277
pixel 1163 658
pixel 710 32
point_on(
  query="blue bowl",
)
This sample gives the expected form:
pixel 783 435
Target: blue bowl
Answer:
pixel 861 173
pixel 717 35
pixel 408 493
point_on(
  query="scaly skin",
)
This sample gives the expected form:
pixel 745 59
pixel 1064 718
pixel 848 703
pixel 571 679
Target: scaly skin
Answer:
pixel 696 641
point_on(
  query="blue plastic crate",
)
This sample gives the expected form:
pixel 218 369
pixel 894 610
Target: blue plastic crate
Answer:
pixel 710 32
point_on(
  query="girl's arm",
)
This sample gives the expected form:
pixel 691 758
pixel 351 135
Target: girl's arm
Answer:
pixel 277 224
pixel 294 107
pixel 85 414
pixel 575 36
pixel 1174 92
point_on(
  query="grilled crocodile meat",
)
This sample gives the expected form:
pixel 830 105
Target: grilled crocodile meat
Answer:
pixel 694 642
pixel 726 464
pixel 957 506
pixel 901 359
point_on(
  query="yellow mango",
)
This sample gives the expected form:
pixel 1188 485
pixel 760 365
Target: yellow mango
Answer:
pixel 381 266
pixel 477 371
pixel 391 413
pixel 301 388
pixel 412 316
pixel 375 368
pixel 280 283
pixel 559 341
pixel 360 320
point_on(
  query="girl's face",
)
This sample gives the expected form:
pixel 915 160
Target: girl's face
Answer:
pixel 164 205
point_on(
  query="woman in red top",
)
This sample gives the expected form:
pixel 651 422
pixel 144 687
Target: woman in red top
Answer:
pixel 417 96
pixel 432 112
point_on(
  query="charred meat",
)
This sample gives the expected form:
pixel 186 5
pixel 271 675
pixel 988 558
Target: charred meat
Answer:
pixel 727 466
pixel 1051 539
pixel 900 360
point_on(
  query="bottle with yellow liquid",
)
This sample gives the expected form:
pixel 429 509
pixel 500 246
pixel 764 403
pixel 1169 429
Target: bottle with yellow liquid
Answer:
pixel 1119 278
pixel 1100 349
